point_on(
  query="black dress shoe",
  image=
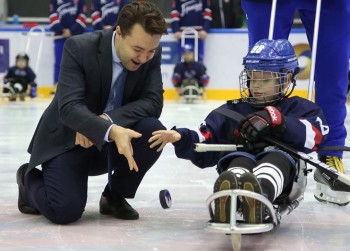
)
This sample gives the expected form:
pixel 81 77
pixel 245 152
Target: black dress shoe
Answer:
pixel 111 203
pixel 23 207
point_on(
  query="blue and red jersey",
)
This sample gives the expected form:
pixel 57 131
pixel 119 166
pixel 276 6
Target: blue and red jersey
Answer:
pixel 68 14
pixel 20 75
pixel 105 12
pixel 187 71
pixel 306 128
pixel 190 13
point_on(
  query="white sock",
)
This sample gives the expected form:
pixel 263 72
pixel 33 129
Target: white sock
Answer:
pixel 272 174
pixel 238 171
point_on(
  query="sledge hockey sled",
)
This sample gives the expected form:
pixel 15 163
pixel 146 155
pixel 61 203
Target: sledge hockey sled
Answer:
pixel 274 213
pixel 12 90
pixel 190 90
pixel 282 206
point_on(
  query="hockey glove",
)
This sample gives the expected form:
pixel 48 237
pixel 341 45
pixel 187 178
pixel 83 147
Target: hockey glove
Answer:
pixel 269 120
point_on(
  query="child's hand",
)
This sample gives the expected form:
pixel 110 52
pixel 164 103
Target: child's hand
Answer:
pixel 162 137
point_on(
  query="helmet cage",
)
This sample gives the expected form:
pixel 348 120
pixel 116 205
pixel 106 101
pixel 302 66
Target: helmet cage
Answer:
pixel 270 62
pixel 283 87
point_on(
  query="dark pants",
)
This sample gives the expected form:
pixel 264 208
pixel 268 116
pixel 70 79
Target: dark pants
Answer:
pixel 59 191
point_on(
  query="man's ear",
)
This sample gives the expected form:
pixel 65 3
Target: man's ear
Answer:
pixel 118 31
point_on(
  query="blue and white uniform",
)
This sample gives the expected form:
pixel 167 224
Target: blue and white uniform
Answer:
pixel 24 76
pixel 105 12
pixel 66 14
pixel 191 13
pixel 304 121
pixel 333 48
pixel 187 71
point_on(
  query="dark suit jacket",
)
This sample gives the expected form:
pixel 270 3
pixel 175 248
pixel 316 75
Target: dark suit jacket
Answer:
pixel 82 93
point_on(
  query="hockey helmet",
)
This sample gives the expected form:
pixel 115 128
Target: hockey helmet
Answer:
pixel 269 65
pixel 22 55
pixel 187 48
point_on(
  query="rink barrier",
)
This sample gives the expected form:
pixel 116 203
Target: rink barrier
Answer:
pixel 170 94
pixel 224 50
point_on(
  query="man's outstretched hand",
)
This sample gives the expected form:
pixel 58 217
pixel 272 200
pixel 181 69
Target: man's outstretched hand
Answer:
pixel 122 138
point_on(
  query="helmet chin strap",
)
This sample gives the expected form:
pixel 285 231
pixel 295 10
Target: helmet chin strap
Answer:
pixel 293 82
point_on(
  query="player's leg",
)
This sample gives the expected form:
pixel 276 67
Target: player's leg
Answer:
pixel 231 168
pixel 331 83
pixel 23 92
pixel 258 19
pixel 201 44
pixel 253 210
pixel 59 191
pixel 9 88
pixel 33 90
pixel 273 172
pixel 124 183
pixel 58 56
pixel 348 79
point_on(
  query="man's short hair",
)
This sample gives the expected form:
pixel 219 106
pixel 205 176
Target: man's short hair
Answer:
pixel 147 14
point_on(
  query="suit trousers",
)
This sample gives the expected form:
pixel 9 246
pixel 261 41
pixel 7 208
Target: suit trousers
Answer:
pixel 59 191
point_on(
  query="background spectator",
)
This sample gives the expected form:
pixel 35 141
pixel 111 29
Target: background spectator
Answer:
pixel 227 13
pixel 104 13
pixel 18 77
pixel 67 18
pixel 191 13
pixel 189 70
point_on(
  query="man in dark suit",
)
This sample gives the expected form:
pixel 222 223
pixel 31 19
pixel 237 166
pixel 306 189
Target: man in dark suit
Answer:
pixel 108 101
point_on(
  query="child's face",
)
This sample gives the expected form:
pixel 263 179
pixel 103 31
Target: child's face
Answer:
pixel 21 63
pixel 264 86
pixel 188 56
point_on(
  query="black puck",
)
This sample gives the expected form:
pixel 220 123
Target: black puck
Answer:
pixel 165 199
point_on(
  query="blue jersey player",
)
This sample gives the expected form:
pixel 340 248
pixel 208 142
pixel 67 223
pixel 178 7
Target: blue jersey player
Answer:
pixel 268 78
pixel 191 14
pixel 19 77
pixel 104 13
pixel 189 72
pixel 189 69
pixel 331 69
pixel 67 18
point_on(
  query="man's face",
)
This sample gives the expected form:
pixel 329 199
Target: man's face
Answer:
pixel 136 48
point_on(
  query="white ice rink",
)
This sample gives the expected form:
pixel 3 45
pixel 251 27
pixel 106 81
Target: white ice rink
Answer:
pixel 312 226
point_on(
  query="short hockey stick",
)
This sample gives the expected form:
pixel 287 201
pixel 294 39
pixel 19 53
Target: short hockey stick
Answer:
pixel 341 182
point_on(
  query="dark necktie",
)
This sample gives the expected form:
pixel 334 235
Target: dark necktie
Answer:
pixel 118 89
pixel 115 101
pixel 116 93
